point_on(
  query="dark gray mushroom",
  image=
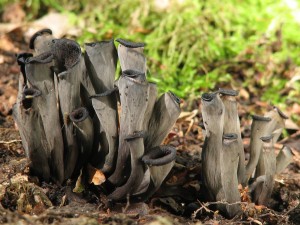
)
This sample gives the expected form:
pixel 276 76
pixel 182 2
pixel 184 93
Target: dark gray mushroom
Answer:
pixel 133 96
pixel 213 112
pixel 232 125
pixel 283 159
pixel 41 77
pixel 84 133
pixel 258 130
pixel 267 168
pixel 28 119
pixel 101 63
pixel 131 56
pixel 229 166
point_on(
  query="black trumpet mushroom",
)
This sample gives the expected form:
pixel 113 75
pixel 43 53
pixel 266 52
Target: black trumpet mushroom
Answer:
pixel 72 114
pixel 223 162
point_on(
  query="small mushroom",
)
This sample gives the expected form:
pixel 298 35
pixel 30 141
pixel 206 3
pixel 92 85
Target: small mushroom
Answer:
pixel 258 130
pixel 232 125
pixel 267 168
pixel 229 167
pixel 283 159
pixel 213 112
pixel 84 133
pixel 131 56
pixel 28 119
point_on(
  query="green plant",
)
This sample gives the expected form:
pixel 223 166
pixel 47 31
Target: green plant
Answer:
pixel 194 46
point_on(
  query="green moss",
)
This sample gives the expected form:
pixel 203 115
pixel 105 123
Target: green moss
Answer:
pixel 195 46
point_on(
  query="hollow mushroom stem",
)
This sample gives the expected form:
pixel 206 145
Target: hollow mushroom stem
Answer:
pixel 277 122
pixel 105 106
pixel 28 119
pixel 159 161
pixel 84 133
pixel 68 87
pixel 229 165
pixel 101 62
pixel 213 119
pixel 136 147
pixel 164 115
pixel 133 96
pixel 40 75
pixel 232 125
pixel 131 56
pixel 283 159
pixel 41 41
pixel 258 130
pixel 267 168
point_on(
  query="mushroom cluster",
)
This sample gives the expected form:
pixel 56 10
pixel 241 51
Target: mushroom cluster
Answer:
pixel 71 112
pixel 223 159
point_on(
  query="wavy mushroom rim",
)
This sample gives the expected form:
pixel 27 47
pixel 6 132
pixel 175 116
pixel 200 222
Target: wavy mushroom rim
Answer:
pixel 136 134
pixel 27 97
pixel 208 97
pixel 94 44
pixel 43 58
pixel 105 93
pixel 160 155
pixel 230 136
pixel 79 115
pixel 69 49
pixel 266 138
pixel 175 98
pixel 134 80
pixel 228 92
pixel 261 118
pixel 132 73
pixel 22 57
pixel 130 44
pixel 30 93
pixel 281 114
pixel 36 34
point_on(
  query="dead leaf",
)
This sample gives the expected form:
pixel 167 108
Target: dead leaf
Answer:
pixel 57 22
pixel 244 94
pixel 95 175
pixel 289 124
pixel 79 186
pixel 259 208
pixel 13 14
pixel 187 116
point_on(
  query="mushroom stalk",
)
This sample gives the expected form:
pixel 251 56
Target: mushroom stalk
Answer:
pixel 213 111
pixel 267 168
pixel 28 119
pixel 232 125
pixel 283 159
pixel 229 166
pixel 84 134
pixel 133 96
pixel 101 61
pixel 258 130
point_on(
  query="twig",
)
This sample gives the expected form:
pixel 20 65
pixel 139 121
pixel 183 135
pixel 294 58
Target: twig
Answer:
pixel 205 206
pixel 285 214
pixel 127 204
pixel 10 142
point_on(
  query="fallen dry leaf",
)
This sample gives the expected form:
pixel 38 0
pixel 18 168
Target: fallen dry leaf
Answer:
pixel 95 175
pixel 290 125
pixel 57 22
pixel 79 186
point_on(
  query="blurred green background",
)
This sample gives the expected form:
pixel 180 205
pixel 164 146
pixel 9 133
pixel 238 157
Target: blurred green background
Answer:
pixel 197 46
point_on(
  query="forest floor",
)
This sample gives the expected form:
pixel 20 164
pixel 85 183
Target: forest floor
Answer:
pixel 180 200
